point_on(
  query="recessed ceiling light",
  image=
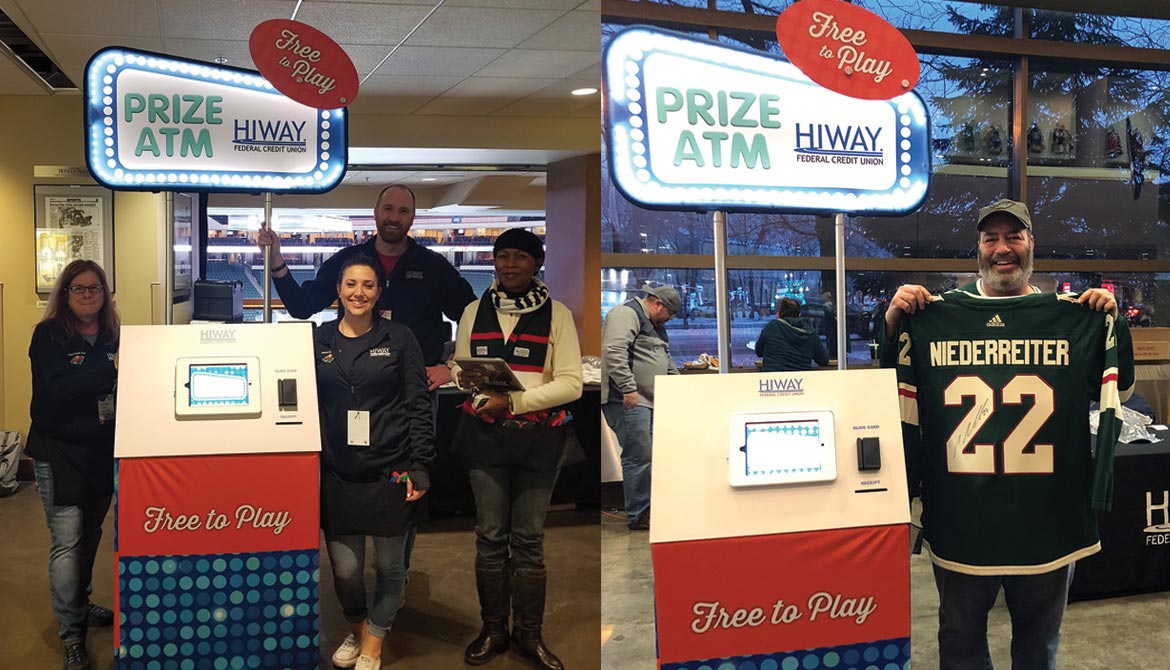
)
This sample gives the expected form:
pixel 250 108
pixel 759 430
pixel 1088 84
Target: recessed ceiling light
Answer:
pixel 583 91
pixel 430 179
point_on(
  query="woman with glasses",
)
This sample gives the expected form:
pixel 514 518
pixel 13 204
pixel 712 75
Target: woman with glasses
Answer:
pixel 514 443
pixel 74 355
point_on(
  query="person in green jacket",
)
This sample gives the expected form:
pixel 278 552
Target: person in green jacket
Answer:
pixel 789 342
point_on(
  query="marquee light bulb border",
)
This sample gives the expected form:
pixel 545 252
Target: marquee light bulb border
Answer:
pixel 628 123
pixel 101 110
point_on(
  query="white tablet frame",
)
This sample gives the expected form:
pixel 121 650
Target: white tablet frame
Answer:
pixel 737 474
pixel 183 408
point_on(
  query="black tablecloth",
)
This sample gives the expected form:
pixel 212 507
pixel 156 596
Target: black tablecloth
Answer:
pixel 1135 551
pixel 579 484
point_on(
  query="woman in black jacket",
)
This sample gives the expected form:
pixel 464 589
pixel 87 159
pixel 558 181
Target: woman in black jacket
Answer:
pixel 74 356
pixel 377 447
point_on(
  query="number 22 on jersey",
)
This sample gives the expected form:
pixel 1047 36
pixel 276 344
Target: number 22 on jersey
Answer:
pixel 1020 454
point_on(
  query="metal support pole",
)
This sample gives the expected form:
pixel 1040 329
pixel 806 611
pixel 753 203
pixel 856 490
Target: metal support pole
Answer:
pixel 268 260
pixel 839 260
pixel 722 313
pixel 169 270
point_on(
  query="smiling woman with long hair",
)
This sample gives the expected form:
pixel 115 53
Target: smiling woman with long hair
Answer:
pixel 74 356
pixel 377 447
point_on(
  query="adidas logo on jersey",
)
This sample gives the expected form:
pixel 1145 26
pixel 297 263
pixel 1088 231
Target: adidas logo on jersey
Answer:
pixel 995 322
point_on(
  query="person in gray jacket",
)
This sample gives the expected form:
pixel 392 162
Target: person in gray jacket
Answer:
pixel 635 350
pixel 789 342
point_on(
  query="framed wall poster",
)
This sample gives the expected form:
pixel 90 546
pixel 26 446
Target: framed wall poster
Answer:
pixel 72 222
pixel 181 277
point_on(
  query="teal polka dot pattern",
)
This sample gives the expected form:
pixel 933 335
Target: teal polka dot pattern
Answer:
pixel 219 612
pixel 878 655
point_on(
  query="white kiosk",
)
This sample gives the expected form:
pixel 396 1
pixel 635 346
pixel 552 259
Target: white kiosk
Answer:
pixel 780 531
pixel 217 517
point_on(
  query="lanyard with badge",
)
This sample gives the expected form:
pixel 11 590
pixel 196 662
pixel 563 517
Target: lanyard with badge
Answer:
pixel 358 421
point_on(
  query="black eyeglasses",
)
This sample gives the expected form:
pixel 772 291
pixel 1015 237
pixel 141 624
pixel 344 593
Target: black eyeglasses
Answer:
pixel 77 289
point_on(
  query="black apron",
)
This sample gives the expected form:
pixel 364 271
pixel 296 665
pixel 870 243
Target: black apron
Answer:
pixel 378 507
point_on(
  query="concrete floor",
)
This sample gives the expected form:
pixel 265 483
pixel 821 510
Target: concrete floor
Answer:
pixel 1130 633
pixel 441 614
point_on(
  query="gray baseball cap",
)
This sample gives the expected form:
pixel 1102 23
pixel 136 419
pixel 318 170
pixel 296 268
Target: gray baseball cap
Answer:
pixel 1013 208
pixel 669 297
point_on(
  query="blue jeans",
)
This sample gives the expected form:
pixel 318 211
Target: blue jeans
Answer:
pixel 74 535
pixel 634 430
pixel 510 509
pixel 347 554
pixel 1036 604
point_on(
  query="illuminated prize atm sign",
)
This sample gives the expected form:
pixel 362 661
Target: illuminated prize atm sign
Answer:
pixel 697 125
pixel 158 123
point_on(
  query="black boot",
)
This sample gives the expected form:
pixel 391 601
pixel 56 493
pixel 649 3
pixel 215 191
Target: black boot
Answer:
pixel 494 593
pixel 528 616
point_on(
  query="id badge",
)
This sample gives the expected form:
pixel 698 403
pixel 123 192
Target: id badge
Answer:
pixel 359 428
pixel 105 408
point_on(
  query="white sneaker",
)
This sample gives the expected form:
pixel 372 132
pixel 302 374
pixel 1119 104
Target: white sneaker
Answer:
pixel 367 663
pixel 347 654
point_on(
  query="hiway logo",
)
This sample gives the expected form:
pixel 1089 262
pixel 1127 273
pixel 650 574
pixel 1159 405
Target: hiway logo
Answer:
pixel 1157 533
pixel 269 136
pixel 217 336
pixel 776 387
pixel 841 145
pixel 995 322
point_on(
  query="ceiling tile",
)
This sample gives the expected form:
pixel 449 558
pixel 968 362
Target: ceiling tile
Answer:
pixel 85 17
pixel 235 51
pixel 364 57
pixel 442 61
pixel 483 95
pixel 72 52
pixel 546 107
pixel 361 23
pixel 399 95
pixel 219 19
pixel 562 5
pixel 553 100
pixel 485 27
pixel 580 30
pixel 539 63
pixel 589 74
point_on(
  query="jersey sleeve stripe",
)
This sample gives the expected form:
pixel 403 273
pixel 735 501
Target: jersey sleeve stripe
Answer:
pixel 1110 398
pixel 908 403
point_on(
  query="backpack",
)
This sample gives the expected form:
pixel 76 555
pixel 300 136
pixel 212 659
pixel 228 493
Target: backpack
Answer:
pixel 11 448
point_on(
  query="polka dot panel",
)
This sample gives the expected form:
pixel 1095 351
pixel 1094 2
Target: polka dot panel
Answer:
pixel 881 654
pixel 205 613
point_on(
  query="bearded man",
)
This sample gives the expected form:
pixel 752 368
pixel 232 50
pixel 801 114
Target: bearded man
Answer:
pixel 994 381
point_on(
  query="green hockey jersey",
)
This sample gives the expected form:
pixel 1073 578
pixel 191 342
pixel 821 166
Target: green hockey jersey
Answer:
pixel 994 395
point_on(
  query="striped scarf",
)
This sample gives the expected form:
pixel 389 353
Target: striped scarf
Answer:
pixel 531 301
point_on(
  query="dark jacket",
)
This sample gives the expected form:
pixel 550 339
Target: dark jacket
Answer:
pixel 389 381
pixel 789 344
pixel 422 288
pixel 67 383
